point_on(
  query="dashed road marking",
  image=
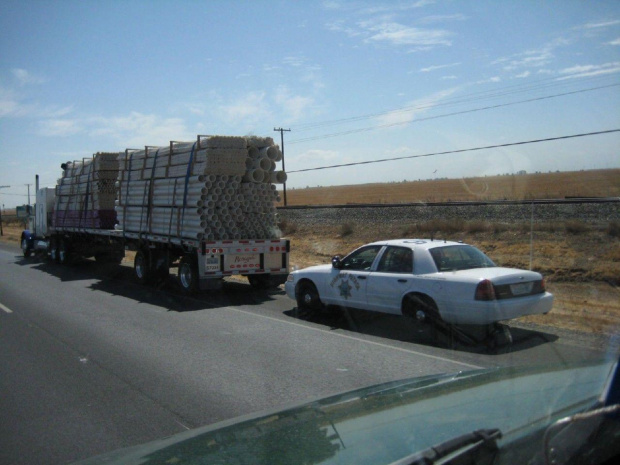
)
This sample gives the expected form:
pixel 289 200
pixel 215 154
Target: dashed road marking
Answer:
pixel 6 309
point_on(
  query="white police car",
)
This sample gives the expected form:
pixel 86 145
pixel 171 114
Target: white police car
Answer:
pixel 442 281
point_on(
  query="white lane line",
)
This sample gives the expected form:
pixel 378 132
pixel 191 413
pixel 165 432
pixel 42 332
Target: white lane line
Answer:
pixel 379 344
pixel 6 309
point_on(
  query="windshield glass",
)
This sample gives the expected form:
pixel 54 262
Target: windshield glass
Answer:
pixel 212 212
pixel 459 257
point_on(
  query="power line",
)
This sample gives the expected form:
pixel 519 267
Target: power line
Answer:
pixel 510 144
pixel 474 96
pixel 490 107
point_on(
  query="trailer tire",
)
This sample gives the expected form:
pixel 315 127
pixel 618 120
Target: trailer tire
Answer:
pixel 188 274
pixel 26 250
pixel 54 249
pixel 64 252
pixel 142 267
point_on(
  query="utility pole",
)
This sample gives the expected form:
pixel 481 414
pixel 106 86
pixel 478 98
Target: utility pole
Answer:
pixel 1 231
pixel 281 131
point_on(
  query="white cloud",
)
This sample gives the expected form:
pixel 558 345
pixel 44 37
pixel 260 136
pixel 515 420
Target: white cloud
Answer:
pixel 246 110
pixel 599 24
pixel 523 75
pixel 414 109
pixel 9 105
pixel 390 8
pixel 13 105
pixel 614 42
pixel 24 77
pixel 135 129
pixel 534 58
pixel 339 26
pixel 138 129
pixel 294 61
pixel 581 71
pixel 59 127
pixel 312 158
pixel 491 79
pixel 436 67
pixel 294 106
pixel 442 18
pixel 398 34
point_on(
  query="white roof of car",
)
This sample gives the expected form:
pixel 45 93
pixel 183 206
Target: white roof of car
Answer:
pixel 417 243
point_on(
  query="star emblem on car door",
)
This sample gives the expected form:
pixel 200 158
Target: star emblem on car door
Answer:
pixel 345 289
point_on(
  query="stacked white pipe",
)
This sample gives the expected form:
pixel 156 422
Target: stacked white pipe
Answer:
pixel 86 193
pixel 219 187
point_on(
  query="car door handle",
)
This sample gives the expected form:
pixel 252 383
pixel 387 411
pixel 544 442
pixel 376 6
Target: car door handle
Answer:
pixel 361 277
pixel 402 280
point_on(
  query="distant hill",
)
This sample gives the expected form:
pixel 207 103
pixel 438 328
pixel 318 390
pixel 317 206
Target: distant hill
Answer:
pixel 589 183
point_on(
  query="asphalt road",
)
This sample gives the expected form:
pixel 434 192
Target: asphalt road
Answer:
pixel 91 361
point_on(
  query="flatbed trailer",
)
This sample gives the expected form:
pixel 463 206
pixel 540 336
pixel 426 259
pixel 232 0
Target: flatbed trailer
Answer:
pixel 201 264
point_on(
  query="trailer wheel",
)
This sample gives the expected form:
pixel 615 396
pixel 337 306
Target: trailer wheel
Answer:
pixel 188 274
pixel 27 251
pixel 142 267
pixel 54 249
pixel 64 252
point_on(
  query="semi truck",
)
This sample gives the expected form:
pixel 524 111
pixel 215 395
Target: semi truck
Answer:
pixel 205 207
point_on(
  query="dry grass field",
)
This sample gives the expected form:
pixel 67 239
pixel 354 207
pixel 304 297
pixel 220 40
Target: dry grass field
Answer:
pixel 592 183
pixel 580 262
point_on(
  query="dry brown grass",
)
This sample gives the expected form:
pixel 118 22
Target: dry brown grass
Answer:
pixel 591 183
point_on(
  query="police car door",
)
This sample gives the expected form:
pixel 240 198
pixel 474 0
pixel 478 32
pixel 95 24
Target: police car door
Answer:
pixel 348 286
pixel 392 278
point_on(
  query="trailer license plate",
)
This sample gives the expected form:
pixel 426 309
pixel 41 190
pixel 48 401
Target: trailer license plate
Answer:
pixel 241 262
pixel 212 264
pixel 521 288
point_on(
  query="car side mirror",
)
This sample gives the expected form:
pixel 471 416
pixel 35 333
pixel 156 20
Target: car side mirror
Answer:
pixel 336 263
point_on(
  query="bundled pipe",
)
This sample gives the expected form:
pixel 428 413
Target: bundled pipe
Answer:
pixel 85 194
pixel 206 183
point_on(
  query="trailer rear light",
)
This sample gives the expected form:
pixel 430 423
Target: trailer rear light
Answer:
pixel 485 290
pixel 276 249
pixel 217 250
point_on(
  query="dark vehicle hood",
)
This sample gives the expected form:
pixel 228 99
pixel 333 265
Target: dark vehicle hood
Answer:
pixel 384 423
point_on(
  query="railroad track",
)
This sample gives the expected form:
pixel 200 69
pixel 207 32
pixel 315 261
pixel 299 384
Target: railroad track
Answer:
pixel 564 201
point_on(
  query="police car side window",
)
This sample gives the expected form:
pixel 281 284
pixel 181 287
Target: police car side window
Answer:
pixel 360 259
pixel 396 260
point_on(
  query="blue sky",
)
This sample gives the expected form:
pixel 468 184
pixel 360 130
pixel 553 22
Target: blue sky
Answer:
pixel 353 80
